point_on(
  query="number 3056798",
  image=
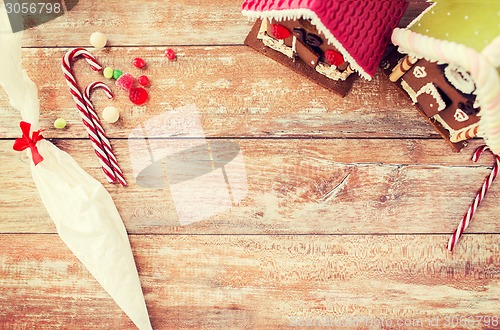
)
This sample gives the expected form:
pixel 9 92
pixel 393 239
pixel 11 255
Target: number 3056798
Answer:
pixel 33 8
pixel 477 320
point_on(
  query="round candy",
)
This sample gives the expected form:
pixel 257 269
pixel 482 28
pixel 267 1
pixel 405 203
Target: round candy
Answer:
pixel 98 40
pixel 110 114
pixel 108 72
pixel 138 95
pixel 60 123
pixel 139 62
pixel 279 31
pixel 170 54
pixel 143 80
pixel 333 57
pixel 117 74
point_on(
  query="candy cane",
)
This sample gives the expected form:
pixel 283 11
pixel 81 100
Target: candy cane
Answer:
pixel 78 98
pixel 479 197
pixel 100 130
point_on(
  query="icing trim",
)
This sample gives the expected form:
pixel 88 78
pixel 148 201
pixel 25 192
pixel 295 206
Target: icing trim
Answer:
pixel 460 135
pixel 277 45
pixel 411 93
pixel 431 90
pixel 481 67
pixel 289 14
pixel 325 69
pixel 422 14
pixel 463 85
pixel 332 72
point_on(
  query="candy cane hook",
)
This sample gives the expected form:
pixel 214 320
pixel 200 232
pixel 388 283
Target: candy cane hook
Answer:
pixel 80 104
pixel 100 130
pixel 479 197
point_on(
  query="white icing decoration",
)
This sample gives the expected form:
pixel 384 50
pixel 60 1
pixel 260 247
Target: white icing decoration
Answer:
pixel 331 71
pixel 430 89
pixel 460 116
pixel 482 66
pixel 422 14
pixel 294 14
pixel 410 91
pixel 419 72
pixel 277 45
pixel 459 78
pixel 263 29
pixel 455 135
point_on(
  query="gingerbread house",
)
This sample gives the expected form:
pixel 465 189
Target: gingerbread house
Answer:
pixel 326 40
pixel 446 62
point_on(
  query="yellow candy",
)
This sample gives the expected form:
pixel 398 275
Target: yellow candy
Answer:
pixel 60 123
pixel 108 72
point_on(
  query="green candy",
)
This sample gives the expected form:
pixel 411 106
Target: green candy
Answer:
pixel 117 74
pixel 60 123
pixel 108 72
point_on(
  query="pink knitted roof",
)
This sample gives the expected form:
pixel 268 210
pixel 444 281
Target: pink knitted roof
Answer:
pixel 359 29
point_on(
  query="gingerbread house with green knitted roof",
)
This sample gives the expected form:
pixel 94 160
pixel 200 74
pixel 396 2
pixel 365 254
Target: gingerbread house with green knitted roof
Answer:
pixel 328 41
pixel 447 62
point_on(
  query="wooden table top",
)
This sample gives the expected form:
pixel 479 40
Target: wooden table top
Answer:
pixel 348 206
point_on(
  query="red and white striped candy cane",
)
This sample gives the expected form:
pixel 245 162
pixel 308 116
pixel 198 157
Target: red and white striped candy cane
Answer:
pixel 100 130
pixel 479 197
pixel 78 98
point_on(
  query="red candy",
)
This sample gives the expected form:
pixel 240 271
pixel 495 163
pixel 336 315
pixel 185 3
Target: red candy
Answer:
pixel 280 32
pixel 143 80
pixel 139 62
pixel 333 57
pixel 126 81
pixel 170 54
pixel 138 95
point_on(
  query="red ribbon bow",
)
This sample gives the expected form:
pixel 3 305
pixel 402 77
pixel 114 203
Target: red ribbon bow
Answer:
pixel 27 142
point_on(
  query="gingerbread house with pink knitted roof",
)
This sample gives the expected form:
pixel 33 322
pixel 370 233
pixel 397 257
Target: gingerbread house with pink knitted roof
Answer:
pixel 326 40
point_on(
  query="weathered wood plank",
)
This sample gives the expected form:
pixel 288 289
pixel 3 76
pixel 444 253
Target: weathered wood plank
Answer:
pixel 148 23
pixel 238 92
pixel 293 186
pixel 257 282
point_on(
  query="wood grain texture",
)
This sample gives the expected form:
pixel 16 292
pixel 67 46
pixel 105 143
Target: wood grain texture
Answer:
pixel 151 23
pixel 294 186
pixel 347 212
pixel 235 89
pixel 256 282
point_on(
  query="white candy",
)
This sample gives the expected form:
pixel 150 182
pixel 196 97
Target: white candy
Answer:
pixel 98 40
pixel 111 114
